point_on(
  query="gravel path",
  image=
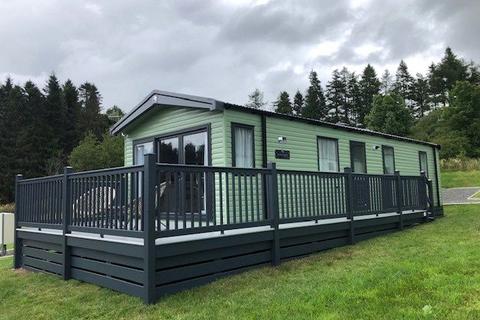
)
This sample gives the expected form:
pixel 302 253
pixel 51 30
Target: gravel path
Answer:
pixel 460 195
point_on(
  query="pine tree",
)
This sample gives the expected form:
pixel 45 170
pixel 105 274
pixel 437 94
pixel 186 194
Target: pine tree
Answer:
pixel 255 100
pixel 354 100
pixel 91 120
pixel 72 115
pixel 315 107
pixel 403 85
pixel 389 114
pixel 32 144
pixel 54 115
pixel 283 104
pixel 369 87
pixel 298 103
pixel 420 96
pixel 387 82
pixel 11 101
pixel 336 97
pixel 444 76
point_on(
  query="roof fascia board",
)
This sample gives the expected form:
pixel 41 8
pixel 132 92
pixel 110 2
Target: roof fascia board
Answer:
pixel 165 98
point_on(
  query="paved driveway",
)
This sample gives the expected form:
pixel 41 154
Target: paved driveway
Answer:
pixel 460 195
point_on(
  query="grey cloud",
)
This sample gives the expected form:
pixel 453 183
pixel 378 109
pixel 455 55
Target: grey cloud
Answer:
pixel 219 49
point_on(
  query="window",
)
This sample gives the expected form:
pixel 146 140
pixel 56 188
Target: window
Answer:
pixel 142 149
pixel 168 150
pixel 358 158
pixel 327 154
pixel 423 160
pixel 242 146
pixel 388 160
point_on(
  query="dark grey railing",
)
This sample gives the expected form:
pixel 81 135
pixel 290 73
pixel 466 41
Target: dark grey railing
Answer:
pixel 186 199
pixel 192 199
pixel 306 196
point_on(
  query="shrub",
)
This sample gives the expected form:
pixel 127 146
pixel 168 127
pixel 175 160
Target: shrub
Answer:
pixel 93 154
pixel 460 164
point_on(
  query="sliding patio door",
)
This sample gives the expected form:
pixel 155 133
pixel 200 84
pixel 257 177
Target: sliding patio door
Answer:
pixel 186 192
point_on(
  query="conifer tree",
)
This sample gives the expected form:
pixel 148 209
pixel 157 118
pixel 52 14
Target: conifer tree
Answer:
pixel 315 107
pixel 420 96
pixel 54 115
pixel 369 87
pixel 403 85
pixel 298 103
pixel 336 97
pixel 283 104
pixel 387 82
pixel 255 99
pixel 72 115
pixel 354 100
pixel 90 118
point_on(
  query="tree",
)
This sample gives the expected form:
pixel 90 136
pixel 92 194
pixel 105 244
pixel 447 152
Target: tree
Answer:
pixel 298 103
pixel 336 95
pixel 92 154
pixel 114 114
pixel 389 114
pixel 255 100
pixel 354 100
pixel 72 116
pixel 369 87
pixel 403 85
pixel 54 115
pixel 11 101
pixel 386 82
pixel 444 76
pixel 283 104
pixel 420 96
pixel 463 115
pixel 91 119
pixel 315 106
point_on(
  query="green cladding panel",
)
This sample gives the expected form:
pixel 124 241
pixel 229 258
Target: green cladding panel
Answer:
pixel 166 120
pixel 301 140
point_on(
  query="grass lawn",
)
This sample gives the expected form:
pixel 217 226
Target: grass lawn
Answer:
pixel 431 271
pixel 454 179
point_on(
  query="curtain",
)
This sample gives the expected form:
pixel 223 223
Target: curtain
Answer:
pixel 327 155
pixel 243 147
pixel 388 160
pixel 358 156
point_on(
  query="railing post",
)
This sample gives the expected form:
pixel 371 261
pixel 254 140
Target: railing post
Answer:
pixel 272 203
pixel 17 262
pixel 398 189
pixel 149 176
pixel 429 193
pixel 350 203
pixel 66 211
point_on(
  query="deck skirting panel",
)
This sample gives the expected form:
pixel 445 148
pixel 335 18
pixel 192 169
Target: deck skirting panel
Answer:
pixel 188 261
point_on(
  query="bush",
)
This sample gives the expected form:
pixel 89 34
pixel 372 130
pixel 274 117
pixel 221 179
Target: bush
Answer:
pixel 8 207
pixel 93 154
pixel 460 164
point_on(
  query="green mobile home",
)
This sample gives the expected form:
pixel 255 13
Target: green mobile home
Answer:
pixel 226 134
pixel 211 188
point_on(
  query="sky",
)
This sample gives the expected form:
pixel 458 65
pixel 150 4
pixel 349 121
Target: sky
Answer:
pixel 225 49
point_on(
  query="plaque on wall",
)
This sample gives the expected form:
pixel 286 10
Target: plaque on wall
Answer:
pixel 282 154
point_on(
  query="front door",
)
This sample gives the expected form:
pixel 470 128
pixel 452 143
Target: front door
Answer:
pixel 184 192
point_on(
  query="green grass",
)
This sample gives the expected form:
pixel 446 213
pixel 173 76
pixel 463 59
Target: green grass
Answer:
pixel 431 271
pixel 455 179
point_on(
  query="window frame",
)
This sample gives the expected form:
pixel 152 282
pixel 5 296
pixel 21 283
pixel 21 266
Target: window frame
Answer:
pixel 383 159
pixel 353 142
pixel 233 126
pixel 318 153
pixel 179 134
pixel 420 162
